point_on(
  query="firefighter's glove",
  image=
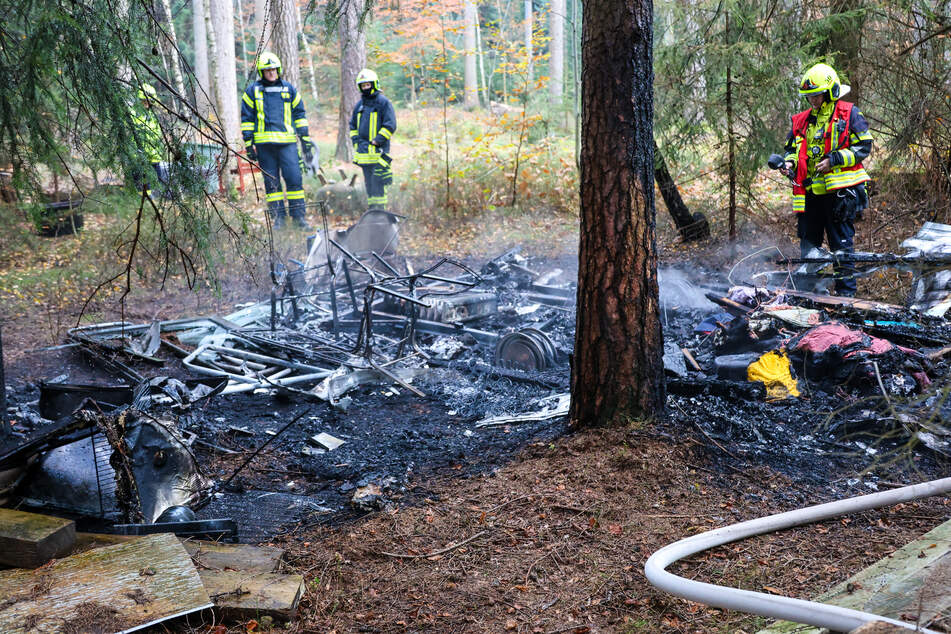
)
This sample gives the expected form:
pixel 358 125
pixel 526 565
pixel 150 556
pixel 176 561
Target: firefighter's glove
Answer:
pixel 308 148
pixel 252 153
pixel 846 205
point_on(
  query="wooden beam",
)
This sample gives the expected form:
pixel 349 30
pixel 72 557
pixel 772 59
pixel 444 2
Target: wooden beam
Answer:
pixel 214 556
pixel 241 595
pixel 28 540
pixel 121 587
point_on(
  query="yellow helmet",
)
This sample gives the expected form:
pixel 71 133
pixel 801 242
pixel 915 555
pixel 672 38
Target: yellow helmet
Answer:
pixel 822 78
pixel 268 60
pixel 367 75
pixel 146 92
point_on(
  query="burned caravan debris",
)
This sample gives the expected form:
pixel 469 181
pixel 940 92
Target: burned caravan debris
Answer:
pixel 122 467
pixel 355 321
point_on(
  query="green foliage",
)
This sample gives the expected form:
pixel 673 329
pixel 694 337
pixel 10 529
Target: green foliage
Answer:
pixel 484 153
pixel 697 46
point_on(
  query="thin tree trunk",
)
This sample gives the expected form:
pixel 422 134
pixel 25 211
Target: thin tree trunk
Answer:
pixel 311 66
pixel 353 57
pixel 203 95
pixel 485 86
pixel 242 31
pixel 171 45
pixel 470 83
pixel 529 54
pixel 222 17
pixel 617 371
pixel 214 93
pixel 691 227
pixel 556 64
pixel 262 25
pixel 284 36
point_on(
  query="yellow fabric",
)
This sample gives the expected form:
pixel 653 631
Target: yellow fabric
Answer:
pixel 772 369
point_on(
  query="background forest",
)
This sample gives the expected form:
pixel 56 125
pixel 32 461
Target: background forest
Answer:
pixel 487 101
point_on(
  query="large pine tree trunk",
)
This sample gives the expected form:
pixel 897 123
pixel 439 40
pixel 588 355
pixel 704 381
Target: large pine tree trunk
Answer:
pixel 284 36
pixel 556 64
pixel 200 43
pixel 691 227
pixel 222 17
pixel 617 373
pixel 353 57
pixel 471 87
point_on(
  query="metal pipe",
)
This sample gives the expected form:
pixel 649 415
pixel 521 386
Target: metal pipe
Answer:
pixel 809 612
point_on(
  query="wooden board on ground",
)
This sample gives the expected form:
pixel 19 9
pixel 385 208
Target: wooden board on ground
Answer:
pixel 28 540
pixel 849 302
pixel 914 581
pixel 115 588
pixel 243 595
pixel 215 556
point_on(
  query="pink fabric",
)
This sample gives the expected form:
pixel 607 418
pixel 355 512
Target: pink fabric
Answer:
pixel 823 337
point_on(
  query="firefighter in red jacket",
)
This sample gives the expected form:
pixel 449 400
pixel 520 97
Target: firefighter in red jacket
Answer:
pixel 824 150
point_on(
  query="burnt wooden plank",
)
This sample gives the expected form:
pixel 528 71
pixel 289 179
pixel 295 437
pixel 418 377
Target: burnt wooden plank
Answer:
pixel 214 556
pixel 914 580
pixel 243 595
pixel 114 588
pixel 28 540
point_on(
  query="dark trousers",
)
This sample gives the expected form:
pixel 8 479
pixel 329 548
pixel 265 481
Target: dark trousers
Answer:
pixel 817 220
pixel 377 178
pixel 143 179
pixel 282 160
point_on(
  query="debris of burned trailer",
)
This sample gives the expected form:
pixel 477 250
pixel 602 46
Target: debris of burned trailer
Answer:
pixel 364 371
pixel 407 358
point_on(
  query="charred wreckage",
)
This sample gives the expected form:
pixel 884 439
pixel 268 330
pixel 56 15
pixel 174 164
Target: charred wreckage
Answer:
pixel 456 360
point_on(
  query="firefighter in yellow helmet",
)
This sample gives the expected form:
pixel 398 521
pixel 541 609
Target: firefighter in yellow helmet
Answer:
pixel 825 148
pixel 272 117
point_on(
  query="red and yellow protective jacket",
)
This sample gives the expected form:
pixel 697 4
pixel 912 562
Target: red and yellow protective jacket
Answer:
pixel 844 138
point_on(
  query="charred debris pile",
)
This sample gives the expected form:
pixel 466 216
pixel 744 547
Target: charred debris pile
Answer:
pixel 779 372
pixel 359 371
pixel 364 370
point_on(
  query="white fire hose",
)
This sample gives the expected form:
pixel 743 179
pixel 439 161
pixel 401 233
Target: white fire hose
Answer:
pixel 809 612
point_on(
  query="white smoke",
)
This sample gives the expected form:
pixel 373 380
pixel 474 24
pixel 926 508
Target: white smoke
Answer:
pixel 676 290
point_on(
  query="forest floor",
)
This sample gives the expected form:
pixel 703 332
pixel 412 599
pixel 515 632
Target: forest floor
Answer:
pixel 555 538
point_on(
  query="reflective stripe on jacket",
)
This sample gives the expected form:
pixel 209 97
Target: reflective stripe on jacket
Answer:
pixel 845 141
pixel 373 119
pixel 272 113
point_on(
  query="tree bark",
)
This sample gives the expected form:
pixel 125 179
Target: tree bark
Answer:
pixel 617 371
pixel 262 24
pixel 171 45
pixel 200 43
pixel 312 71
pixel 222 18
pixel 691 227
pixel 353 57
pixel 242 32
pixel 284 39
pixel 556 63
pixel 471 82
